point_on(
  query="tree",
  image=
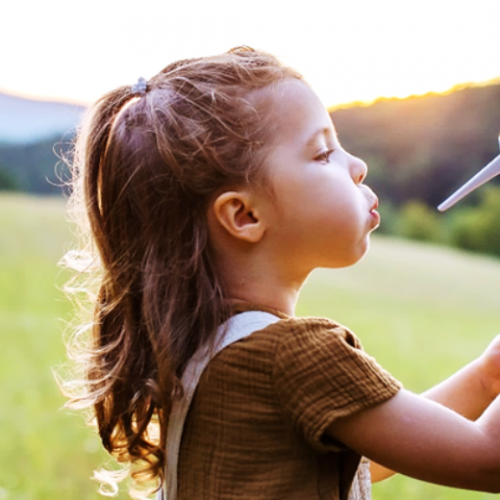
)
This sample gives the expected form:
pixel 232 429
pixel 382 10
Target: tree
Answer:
pixel 478 228
pixel 8 182
pixel 418 222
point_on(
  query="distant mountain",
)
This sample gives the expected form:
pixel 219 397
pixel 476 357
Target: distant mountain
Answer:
pixel 26 121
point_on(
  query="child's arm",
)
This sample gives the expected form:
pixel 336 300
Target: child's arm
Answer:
pixel 422 439
pixel 427 441
pixel 468 392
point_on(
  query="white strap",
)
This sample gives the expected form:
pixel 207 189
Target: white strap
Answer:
pixel 361 488
pixel 236 328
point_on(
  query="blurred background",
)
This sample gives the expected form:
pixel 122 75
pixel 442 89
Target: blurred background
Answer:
pixel 413 88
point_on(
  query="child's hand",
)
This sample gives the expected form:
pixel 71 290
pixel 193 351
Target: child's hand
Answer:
pixel 489 368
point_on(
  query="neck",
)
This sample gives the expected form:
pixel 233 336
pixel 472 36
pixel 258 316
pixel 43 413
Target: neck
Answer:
pixel 262 282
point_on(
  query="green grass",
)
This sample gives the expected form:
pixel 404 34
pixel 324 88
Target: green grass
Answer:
pixel 423 311
pixel 46 453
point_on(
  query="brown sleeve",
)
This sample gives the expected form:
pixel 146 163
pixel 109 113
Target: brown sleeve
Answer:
pixel 322 373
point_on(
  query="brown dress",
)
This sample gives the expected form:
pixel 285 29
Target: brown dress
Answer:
pixel 256 425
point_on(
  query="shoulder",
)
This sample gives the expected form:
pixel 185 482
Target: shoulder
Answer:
pixel 304 338
pixel 308 332
pixel 293 326
pixel 292 339
pixel 323 346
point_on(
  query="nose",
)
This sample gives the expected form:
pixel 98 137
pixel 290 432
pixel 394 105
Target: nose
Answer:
pixel 358 169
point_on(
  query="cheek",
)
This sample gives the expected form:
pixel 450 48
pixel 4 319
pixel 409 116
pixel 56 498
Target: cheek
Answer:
pixel 318 200
pixel 333 202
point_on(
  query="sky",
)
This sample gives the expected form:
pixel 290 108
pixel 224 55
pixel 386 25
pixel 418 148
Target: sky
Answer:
pixel 348 50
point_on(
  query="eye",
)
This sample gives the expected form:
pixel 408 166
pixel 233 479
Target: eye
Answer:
pixel 324 156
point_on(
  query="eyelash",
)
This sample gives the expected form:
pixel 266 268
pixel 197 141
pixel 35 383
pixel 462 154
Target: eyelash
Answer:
pixel 325 155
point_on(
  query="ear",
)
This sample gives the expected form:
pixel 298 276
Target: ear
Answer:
pixel 239 216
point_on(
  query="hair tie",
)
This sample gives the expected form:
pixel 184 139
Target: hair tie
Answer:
pixel 139 88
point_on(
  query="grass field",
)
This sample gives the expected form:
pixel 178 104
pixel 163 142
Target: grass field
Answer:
pixel 422 311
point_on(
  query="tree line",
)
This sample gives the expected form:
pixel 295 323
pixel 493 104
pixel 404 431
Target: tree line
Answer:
pixel 37 168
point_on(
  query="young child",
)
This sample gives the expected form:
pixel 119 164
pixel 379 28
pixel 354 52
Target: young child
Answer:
pixel 208 194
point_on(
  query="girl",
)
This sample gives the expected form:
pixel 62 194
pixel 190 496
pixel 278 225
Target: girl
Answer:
pixel 209 194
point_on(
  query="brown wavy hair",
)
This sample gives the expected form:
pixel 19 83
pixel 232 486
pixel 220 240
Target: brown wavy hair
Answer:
pixel 145 170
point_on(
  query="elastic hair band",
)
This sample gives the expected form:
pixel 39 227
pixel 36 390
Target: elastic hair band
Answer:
pixel 139 88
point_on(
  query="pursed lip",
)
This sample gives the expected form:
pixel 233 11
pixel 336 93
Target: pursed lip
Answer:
pixel 375 205
pixel 374 213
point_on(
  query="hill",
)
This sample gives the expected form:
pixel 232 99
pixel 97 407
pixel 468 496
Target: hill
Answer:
pixel 25 121
pixel 34 135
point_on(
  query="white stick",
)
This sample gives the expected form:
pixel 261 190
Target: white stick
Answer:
pixel 491 170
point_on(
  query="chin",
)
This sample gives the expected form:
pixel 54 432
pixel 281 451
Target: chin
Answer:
pixel 348 262
pixel 352 257
pixel 362 252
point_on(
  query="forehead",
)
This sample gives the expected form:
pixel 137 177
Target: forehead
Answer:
pixel 297 115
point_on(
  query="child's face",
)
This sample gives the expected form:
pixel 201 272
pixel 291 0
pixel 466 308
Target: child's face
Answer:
pixel 323 213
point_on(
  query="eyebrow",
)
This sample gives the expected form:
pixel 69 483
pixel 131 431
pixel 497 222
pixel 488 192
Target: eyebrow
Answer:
pixel 321 131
